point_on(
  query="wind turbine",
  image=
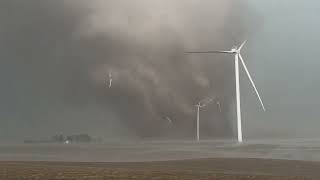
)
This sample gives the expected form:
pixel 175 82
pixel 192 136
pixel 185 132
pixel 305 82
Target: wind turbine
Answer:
pixel 201 104
pixel 236 52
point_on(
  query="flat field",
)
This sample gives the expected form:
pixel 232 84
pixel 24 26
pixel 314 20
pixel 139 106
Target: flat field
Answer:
pixel 212 168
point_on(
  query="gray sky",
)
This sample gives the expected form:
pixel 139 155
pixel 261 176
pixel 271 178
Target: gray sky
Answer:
pixel 282 56
pixel 56 55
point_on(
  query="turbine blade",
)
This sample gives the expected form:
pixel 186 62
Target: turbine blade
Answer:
pixel 110 79
pixel 252 83
pixel 244 42
pixel 110 83
pixel 193 52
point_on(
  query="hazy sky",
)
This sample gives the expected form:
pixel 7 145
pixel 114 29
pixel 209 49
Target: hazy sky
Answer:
pixel 283 59
pixel 55 57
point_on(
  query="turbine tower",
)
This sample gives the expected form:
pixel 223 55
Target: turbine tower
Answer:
pixel 236 52
pixel 200 104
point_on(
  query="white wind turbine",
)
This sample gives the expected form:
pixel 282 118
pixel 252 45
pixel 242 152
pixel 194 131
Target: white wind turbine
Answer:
pixel 201 104
pixel 236 51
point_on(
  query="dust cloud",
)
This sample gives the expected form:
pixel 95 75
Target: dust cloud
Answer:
pixel 56 57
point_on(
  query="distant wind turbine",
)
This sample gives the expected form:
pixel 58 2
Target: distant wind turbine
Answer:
pixel 236 51
pixel 200 104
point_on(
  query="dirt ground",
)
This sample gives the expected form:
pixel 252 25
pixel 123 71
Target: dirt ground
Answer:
pixel 218 168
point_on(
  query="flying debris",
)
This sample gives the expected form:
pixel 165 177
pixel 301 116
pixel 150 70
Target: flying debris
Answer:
pixel 168 119
pixel 236 51
pixel 110 80
pixel 201 104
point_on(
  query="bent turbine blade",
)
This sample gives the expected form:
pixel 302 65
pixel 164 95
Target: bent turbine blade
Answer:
pixel 244 42
pixel 252 83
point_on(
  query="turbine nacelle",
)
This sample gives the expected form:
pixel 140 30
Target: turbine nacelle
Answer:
pixel 234 49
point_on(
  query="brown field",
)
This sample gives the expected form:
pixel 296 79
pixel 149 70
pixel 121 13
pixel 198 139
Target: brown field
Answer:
pixel 218 168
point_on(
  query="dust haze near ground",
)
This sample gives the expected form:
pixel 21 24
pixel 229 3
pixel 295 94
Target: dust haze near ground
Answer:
pixel 163 150
pixel 56 56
